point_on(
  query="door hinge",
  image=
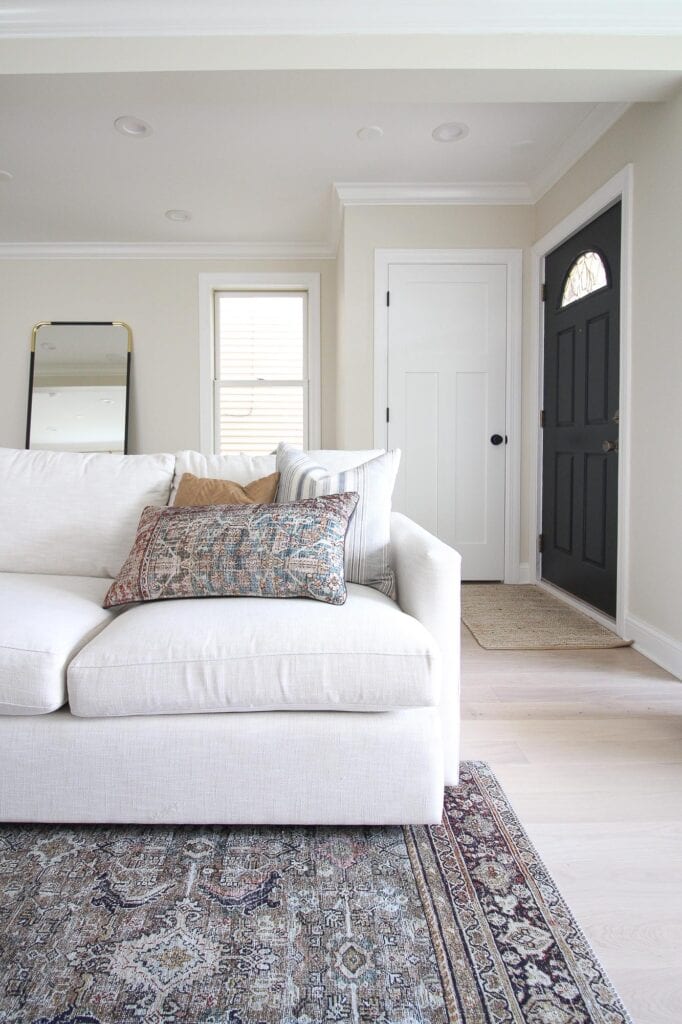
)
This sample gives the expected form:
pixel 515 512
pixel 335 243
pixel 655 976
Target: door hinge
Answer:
pixel 542 418
pixel 541 543
pixel 388 414
pixel 388 298
pixel 544 292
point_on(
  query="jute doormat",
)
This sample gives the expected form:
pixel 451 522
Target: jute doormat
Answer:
pixel 503 617
pixel 456 923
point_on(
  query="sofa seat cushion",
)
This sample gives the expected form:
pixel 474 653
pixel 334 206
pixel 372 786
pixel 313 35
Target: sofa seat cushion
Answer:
pixel 246 654
pixel 44 621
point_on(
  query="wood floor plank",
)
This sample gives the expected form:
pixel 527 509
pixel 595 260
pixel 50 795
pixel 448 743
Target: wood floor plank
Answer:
pixel 588 747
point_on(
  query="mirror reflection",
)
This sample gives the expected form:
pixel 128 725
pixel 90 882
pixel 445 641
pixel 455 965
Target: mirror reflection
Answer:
pixel 78 390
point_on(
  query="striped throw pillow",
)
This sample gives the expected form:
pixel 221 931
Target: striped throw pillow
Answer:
pixel 368 541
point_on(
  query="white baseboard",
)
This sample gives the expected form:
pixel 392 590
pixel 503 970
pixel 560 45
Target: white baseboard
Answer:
pixel 655 645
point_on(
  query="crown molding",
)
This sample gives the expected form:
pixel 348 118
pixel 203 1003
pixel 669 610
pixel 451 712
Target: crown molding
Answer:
pixel 213 17
pixel 406 194
pixel 602 117
pixel 165 251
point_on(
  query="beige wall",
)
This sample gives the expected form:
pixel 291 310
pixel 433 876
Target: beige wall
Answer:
pixel 408 227
pixel 159 299
pixel 650 137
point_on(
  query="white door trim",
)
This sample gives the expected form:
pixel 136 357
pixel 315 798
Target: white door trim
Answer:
pixel 275 281
pixel 618 187
pixel 512 259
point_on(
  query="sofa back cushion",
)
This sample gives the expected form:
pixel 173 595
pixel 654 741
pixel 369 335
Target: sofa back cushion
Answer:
pixel 238 466
pixel 75 515
pixel 243 468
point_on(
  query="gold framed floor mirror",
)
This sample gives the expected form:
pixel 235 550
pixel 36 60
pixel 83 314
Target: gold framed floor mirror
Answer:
pixel 79 386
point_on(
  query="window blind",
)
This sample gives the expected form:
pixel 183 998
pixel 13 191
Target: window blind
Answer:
pixel 261 389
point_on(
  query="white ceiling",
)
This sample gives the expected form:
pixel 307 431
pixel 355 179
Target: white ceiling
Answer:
pixel 254 155
pixel 311 17
pixel 251 135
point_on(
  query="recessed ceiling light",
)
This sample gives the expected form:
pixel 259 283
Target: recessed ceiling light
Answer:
pixel 370 133
pixel 107 401
pixel 133 126
pixel 6 176
pixel 178 215
pixel 451 131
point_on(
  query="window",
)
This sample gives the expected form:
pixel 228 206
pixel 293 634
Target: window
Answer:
pixel 263 356
pixel 587 275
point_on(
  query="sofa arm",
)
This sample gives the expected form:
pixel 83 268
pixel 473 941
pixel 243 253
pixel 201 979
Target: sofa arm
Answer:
pixel 428 579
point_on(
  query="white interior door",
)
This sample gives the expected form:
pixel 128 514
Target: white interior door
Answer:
pixel 447 341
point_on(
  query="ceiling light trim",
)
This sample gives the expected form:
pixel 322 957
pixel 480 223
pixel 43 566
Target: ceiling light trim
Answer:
pixel 414 194
pixel 450 131
pixel 133 127
pixel 165 251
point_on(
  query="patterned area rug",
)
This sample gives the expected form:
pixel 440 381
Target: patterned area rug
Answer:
pixel 451 924
pixel 503 617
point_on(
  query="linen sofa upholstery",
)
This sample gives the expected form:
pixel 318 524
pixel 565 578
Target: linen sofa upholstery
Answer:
pixel 255 653
pixel 260 768
pixel 44 621
pixel 75 515
pixel 73 518
pixel 428 579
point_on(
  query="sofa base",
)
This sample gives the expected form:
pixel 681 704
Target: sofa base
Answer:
pixel 289 768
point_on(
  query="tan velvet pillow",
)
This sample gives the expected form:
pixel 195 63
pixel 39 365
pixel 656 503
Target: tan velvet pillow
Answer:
pixel 196 490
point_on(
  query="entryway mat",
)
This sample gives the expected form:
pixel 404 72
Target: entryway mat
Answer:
pixel 506 617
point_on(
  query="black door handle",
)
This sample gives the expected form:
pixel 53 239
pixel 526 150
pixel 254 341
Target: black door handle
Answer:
pixel 496 439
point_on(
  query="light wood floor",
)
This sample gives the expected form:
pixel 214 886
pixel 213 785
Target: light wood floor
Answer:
pixel 588 747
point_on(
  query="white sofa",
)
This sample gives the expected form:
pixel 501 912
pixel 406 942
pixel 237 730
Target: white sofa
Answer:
pixel 228 710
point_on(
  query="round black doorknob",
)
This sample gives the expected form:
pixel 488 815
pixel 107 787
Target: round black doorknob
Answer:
pixel 496 439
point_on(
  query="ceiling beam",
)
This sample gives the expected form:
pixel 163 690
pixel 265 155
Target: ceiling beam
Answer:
pixel 354 52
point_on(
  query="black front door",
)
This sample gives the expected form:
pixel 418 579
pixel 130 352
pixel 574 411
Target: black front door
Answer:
pixel 580 436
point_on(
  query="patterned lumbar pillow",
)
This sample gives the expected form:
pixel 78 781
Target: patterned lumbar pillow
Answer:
pixel 293 550
pixel 196 490
pixel 368 545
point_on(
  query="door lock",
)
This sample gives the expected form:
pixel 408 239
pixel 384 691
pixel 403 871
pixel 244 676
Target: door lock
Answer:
pixel 497 439
pixel 609 446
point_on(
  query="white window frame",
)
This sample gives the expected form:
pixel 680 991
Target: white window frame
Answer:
pixel 209 284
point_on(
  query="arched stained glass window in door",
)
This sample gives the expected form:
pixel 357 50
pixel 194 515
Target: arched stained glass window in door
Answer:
pixel 587 274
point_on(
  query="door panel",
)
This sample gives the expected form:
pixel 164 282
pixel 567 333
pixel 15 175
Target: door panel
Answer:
pixel 421 469
pixel 446 393
pixel 581 387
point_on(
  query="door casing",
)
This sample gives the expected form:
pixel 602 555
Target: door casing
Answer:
pixel 618 187
pixel 512 260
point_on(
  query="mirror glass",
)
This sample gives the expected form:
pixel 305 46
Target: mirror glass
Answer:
pixel 78 389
